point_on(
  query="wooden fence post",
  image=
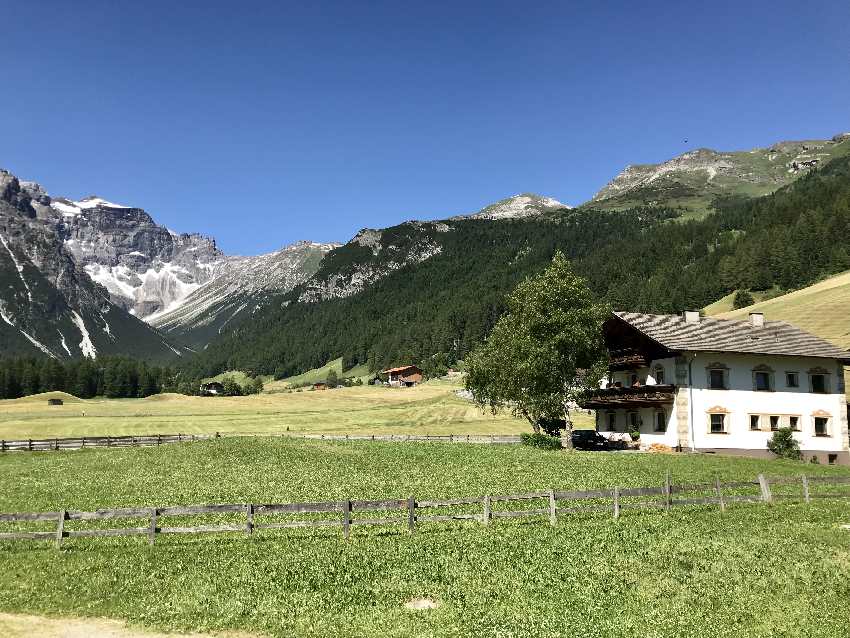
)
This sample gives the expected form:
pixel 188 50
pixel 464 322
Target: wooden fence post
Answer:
pixel 411 514
pixel 60 528
pixel 667 491
pixel 29 445
pixel 3 446
pixel 108 441
pixel 616 501
pixel 55 444
pixel 346 519
pixel 552 511
pixel 83 442
pixel 485 515
pixel 765 489
pixel 720 500
pixel 152 530
pixel 806 497
pixel 249 518
pixel 159 439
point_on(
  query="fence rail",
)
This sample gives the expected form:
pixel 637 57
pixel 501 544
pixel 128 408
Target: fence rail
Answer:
pixel 409 512
pixel 76 443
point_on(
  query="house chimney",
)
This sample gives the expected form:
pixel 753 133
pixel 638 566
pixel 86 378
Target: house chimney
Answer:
pixel 691 316
pixel 757 319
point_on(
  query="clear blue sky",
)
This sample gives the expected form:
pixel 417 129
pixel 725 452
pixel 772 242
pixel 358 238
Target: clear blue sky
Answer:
pixel 264 123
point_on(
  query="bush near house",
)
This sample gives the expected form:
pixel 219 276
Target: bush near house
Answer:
pixel 544 441
pixel 784 445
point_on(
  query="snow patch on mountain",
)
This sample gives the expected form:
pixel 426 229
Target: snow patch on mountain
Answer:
pixel 18 266
pixel 64 344
pixel 86 345
pixel 7 319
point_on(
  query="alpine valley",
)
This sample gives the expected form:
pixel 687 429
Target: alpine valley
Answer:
pixel 91 277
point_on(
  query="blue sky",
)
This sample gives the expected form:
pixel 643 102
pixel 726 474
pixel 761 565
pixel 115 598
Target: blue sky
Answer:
pixel 264 123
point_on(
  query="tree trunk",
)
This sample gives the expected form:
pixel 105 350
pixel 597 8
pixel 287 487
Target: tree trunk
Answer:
pixel 535 425
pixel 567 436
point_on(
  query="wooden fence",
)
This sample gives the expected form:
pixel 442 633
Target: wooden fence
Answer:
pixel 409 512
pixel 76 443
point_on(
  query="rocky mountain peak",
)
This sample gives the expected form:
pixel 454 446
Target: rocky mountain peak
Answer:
pixel 519 206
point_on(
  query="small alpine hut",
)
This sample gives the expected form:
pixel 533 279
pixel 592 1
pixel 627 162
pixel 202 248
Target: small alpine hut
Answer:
pixel 403 376
pixel 212 389
pixel 320 385
pixel 55 402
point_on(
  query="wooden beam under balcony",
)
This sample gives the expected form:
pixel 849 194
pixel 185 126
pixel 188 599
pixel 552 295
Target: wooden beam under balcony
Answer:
pixel 645 396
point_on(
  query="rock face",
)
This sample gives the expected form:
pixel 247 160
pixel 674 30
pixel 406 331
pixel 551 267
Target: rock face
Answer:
pixel 238 287
pixel 692 180
pixel 48 304
pixel 370 256
pixel 524 205
pixel 146 268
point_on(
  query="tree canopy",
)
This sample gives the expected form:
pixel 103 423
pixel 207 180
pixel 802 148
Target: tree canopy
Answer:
pixel 544 352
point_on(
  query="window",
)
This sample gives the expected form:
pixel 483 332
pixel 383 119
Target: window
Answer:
pixel 660 421
pixel 818 382
pixel 792 379
pixel 832 459
pixel 821 423
pixel 718 423
pixel 761 381
pixel 774 423
pixel 755 422
pixel 659 375
pixel 612 421
pixel 634 421
pixel 794 422
pixel 717 379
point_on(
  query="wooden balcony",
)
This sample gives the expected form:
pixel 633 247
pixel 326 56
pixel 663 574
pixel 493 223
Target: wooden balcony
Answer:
pixel 644 396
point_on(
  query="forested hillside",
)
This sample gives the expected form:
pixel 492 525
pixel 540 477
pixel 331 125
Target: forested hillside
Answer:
pixel 640 259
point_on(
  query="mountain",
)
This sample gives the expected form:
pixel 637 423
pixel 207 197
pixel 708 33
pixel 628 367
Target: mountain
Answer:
pixel 147 269
pixel 429 292
pixel 237 288
pixel 48 303
pixel 117 258
pixel 694 180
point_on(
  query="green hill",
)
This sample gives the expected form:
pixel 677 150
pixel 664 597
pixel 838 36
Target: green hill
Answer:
pixel 821 309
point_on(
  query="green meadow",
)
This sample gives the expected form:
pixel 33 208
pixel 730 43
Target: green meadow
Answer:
pixel 754 570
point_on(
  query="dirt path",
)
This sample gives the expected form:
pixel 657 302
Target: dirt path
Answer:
pixel 21 626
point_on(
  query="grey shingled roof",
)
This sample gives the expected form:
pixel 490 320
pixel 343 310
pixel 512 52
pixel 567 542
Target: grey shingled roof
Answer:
pixel 727 335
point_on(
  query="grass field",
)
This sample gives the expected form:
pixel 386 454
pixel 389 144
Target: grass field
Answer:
pixel 753 571
pixel 430 408
pixel 820 309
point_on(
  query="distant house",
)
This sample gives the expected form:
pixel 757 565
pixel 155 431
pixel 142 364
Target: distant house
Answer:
pixel 403 376
pixel 320 385
pixel 55 402
pixel 212 389
pixel 717 385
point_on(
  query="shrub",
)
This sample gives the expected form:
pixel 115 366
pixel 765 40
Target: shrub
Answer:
pixel 784 445
pixel 742 299
pixel 552 427
pixel 544 441
pixel 635 434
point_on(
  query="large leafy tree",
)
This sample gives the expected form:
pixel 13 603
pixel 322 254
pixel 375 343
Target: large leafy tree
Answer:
pixel 544 352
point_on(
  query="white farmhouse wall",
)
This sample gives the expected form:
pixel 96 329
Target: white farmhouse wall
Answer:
pixel 741 400
pixel 737 402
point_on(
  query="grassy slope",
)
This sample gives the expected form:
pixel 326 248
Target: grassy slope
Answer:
pixel 754 571
pixel 820 308
pixel 319 374
pixel 430 408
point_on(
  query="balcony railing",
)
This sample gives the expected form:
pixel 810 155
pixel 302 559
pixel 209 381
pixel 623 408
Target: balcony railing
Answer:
pixel 644 396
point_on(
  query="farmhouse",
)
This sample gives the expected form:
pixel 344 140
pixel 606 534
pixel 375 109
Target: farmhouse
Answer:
pixel 717 385
pixel 320 385
pixel 403 376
